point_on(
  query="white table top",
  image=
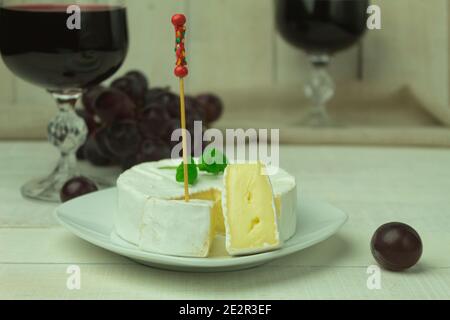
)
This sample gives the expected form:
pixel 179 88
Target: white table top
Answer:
pixel 373 185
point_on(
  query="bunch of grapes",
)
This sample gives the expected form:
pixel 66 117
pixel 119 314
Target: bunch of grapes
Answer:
pixel 130 123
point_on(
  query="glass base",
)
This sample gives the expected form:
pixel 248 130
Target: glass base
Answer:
pixel 316 117
pixel 48 189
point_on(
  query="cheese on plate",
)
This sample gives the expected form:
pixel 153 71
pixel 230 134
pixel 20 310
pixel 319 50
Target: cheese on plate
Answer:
pixel 155 180
pixel 249 210
pixel 177 228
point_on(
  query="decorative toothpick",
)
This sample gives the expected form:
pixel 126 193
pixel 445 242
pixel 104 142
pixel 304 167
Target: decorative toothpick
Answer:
pixel 181 71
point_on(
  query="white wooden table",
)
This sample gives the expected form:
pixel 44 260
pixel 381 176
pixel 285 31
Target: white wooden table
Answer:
pixel 373 185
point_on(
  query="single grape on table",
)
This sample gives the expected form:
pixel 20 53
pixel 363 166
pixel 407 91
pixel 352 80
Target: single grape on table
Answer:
pixel 77 187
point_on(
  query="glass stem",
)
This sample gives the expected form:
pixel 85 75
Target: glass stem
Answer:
pixel 67 132
pixel 320 90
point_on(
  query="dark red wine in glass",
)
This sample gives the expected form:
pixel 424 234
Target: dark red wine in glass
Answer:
pixel 321 28
pixel 41 44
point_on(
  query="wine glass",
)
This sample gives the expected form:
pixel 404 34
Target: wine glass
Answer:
pixel 63 46
pixel 321 28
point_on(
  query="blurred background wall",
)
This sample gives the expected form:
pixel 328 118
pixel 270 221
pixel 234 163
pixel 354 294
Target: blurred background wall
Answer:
pixel 234 50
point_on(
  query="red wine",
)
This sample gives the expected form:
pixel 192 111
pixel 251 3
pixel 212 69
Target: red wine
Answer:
pixel 321 26
pixel 37 46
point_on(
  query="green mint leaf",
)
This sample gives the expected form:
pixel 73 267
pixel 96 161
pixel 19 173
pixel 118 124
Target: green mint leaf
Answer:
pixel 192 172
pixel 213 161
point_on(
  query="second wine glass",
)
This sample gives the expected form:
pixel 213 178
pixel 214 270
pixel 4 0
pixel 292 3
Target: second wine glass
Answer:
pixel 321 28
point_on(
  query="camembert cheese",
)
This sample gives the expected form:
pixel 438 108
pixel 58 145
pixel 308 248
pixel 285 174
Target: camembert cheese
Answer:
pixel 153 180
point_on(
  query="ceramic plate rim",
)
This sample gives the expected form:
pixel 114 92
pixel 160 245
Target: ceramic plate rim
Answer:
pixel 100 240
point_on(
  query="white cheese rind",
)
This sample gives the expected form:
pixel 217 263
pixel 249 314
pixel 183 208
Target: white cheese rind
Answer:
pixel 287 218
pixel 177 228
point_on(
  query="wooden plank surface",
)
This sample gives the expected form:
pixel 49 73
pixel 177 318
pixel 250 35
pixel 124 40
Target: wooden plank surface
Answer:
pixel 133 281
pixel 372 185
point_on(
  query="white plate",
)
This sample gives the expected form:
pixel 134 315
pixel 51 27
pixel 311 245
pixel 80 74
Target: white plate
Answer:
pixel 91 218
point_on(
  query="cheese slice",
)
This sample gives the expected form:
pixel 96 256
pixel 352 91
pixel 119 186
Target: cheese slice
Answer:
pixel 249 210
pixel 177 228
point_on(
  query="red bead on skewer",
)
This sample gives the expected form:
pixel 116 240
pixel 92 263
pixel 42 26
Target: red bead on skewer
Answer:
pixel 179 20
pixel 181 71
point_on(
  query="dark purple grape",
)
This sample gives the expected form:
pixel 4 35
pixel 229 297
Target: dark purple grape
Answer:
pixel 139 77
pixel 101 137
pixel 396 246
pixel 153 150
pixel 113 104
pixel 91 124
pixel 155 95
pixel 171 102
pixel 154 121
pixel 77 187
pixel 89 97
pixel 80 153
pixel 128 162
pixel 194 110
pixel 123 138
pixel 94 154
pixel 172 125
pixel 134 84
pixel 212 106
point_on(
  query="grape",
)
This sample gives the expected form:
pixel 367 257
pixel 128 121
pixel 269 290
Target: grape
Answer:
pixel 89 97
pixel 128 162
pixel 194 110
pixel 77 187
pixel 153 150
pixel 139 77
pixel 396 246
pixel 101 139
pixel 93 154
pixel 91 124
pixel 155 94
pixel 153 121
pixel 80 153
pixel 212 106
pixel 134 84
pixel 123 138
pixel 113 104
pixel 165 99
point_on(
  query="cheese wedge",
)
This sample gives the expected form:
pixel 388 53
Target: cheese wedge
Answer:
pixel 177 228
pixel 249 210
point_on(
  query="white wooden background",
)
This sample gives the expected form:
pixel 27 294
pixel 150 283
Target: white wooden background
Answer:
pixel 233 44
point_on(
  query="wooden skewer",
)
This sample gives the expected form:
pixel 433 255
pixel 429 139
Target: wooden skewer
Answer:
pixel 184 137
